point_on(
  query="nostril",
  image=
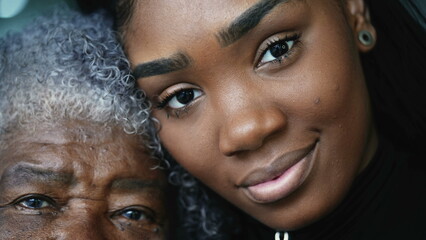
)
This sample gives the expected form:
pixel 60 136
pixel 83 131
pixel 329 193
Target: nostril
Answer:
pixel 230 145
pixel 248 131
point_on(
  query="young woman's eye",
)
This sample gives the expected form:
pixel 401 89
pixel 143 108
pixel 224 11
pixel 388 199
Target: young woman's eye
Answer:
pixel 35 202
pixel 277 50
pixel 180 99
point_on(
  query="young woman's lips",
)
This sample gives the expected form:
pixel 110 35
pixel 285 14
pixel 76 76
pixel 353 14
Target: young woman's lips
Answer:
pixel 281 177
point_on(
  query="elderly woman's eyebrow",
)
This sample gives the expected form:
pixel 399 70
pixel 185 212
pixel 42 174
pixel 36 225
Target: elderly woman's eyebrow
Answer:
pixel 22 175
pixel 246 21
pixel 160 66
pixel 135 184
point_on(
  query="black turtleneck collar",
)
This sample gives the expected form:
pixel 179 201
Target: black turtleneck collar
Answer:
pixel 365 194
pixel 388 199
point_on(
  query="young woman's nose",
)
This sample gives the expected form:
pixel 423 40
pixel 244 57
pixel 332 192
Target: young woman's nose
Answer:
pixel 248 129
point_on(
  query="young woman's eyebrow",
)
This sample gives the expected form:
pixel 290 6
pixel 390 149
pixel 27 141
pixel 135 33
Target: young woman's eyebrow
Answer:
pixel 175 62
pixel 246 21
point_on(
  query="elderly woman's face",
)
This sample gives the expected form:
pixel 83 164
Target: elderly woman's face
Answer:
pixel 79 181
pixel 272 114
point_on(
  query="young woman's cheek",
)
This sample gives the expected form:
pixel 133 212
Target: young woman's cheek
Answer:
pixel 189 137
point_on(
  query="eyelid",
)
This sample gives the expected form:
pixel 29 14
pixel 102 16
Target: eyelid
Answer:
pixel 162 101
pixel 33 195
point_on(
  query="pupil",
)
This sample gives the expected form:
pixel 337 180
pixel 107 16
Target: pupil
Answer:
pixel 185 97
pixel 279 49
pixel 134 215
pixel 34 203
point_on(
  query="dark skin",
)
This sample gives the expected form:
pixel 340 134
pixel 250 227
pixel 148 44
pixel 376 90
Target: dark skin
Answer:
pixel 273 114
pixel 78 180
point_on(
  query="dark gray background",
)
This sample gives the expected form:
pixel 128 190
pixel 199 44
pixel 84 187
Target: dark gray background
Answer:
pixel 31 10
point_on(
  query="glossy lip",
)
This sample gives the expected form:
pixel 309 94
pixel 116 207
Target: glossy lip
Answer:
pixel 281 177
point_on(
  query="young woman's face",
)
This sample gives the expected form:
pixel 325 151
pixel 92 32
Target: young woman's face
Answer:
pixel 271 114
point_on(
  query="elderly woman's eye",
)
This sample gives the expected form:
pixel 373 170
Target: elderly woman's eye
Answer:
pixel 134 215
pixel 137 214
pixel 35 202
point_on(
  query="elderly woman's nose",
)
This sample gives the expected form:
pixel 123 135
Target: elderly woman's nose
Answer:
pixel 249 128
pixel 82 222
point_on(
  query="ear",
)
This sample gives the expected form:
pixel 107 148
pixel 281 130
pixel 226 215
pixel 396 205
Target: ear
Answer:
pixel 358 17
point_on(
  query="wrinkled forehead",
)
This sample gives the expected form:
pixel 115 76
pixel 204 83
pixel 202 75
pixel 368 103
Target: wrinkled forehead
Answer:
pixel 68 137
pixel 81 147
pixel 65 132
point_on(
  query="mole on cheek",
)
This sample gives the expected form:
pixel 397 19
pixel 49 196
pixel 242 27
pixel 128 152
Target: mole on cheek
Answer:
pixel 317 101
pixel 337 87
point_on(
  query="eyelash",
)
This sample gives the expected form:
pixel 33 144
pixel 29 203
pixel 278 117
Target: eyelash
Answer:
pixel 164 101
pixel 271 42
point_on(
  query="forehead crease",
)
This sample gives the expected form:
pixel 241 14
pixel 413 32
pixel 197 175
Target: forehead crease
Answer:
pixel 24 173
pixel 134 184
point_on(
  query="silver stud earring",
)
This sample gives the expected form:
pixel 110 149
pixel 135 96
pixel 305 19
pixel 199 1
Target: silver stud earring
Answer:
pixel 365 37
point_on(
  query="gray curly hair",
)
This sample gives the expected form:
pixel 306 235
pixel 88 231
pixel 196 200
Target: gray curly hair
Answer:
pixel 70 66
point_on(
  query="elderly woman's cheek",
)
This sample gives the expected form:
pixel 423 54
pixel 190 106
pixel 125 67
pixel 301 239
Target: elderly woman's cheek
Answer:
pixel 132 230
pixel 18 225
pixel 155 233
